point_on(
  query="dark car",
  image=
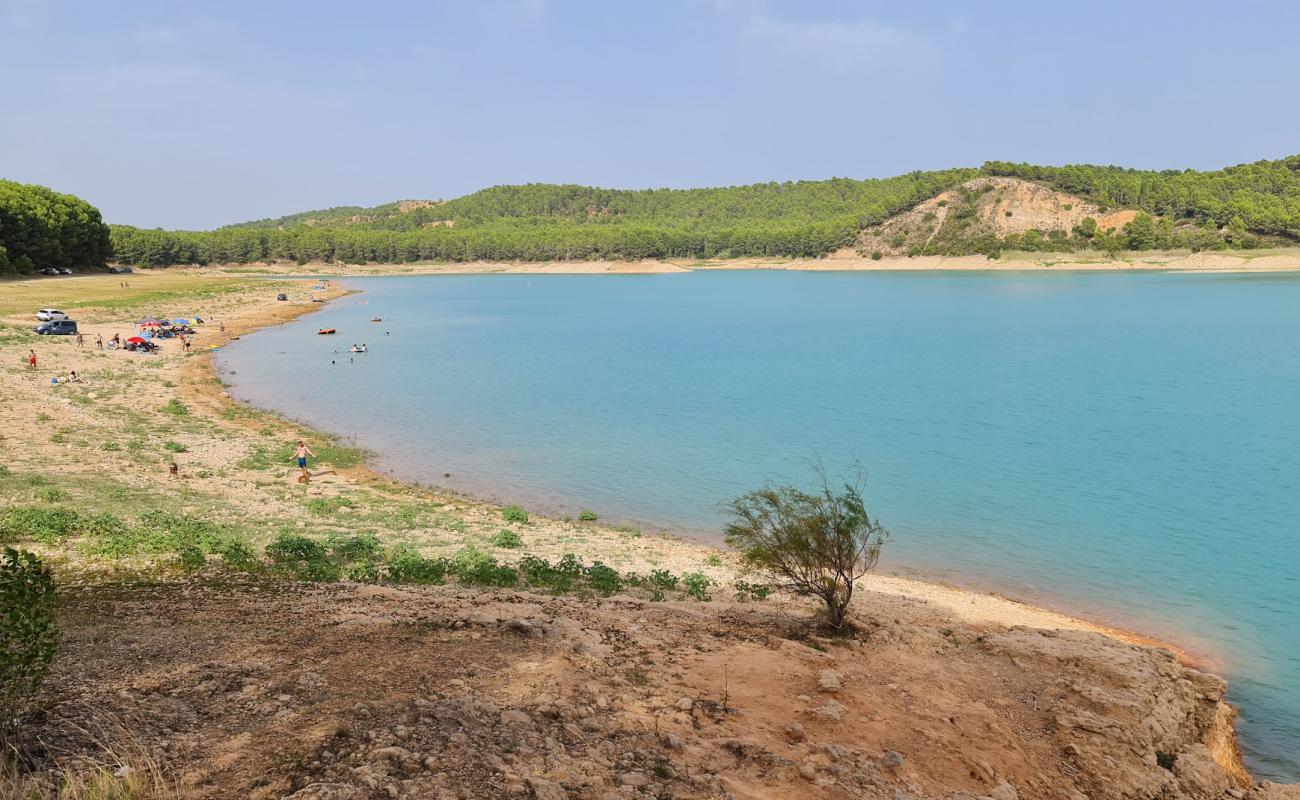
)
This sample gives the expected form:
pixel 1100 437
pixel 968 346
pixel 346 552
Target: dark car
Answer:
pixel 282 296
pixel 58 327
pixel 49 271
pixel 64 271
pixel 120 270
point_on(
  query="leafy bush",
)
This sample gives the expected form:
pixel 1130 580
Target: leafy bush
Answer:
pixel 190 557
pixel 506 538
pixel 364 572
pixel 713 560
pixel 176 408
pixel 51 494
pixel 473 566
pixel 407 566
pixel 302 558
pixel 752 591
pixel 697 585
pixel 587 515
pixel 514 514
pixel 45 525
pixel 817 543
pixel 237 555
pixel 663 579
pixel 361 547
pixel 603 579
pixel 28 632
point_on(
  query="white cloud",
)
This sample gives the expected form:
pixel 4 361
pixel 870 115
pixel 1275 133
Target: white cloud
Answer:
pixel 841 44
pixel 158 36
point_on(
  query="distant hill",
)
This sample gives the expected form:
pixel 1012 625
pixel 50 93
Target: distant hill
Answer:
pixel 997 207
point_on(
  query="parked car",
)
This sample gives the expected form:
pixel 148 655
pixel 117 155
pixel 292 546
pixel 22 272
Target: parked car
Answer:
pixel 58 327
pixel 49 271
pixel 120 270
pixel 64 271
pixel 50 314
pixel 282 296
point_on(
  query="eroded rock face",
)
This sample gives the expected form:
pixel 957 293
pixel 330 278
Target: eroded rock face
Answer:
pixel 1131 720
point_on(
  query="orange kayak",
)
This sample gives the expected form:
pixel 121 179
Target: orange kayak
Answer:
pixel 324 331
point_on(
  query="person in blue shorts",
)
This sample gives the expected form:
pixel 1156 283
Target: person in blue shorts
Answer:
pixel 303 452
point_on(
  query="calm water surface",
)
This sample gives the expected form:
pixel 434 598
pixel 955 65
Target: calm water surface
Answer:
pixel 1126 445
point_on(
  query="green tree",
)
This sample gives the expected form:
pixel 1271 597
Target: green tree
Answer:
pixel 817 543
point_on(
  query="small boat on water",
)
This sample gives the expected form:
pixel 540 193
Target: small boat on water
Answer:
pixel 376 319
pixel 325 331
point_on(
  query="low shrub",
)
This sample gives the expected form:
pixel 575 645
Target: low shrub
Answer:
pixel 29 634
pixel 360 547
pixel 603 579
pixel 237 555
pixel 51 494
pixel 697 585
pixel 175 447
pixel 587 515
pixel 506 538
pixel 302 558
pixel 190 558
pixel 475 567
pixel 364 572
pixel 405 565
pixel 752 591
pixel 514 514
pixel 45 525
pixel 663 579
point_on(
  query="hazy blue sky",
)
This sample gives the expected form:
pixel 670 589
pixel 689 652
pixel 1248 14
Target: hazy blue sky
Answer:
pixel 197 114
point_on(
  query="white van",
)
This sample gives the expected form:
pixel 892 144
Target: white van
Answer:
pixel 50 314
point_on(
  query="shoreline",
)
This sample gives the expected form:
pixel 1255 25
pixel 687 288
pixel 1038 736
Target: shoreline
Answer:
pixel 974 605
pixel 1280 260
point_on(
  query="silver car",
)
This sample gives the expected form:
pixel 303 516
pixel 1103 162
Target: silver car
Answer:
pixel 50 314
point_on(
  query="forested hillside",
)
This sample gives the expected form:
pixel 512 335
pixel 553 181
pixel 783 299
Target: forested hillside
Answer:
pixel 947 212
pixel 542 222
pixel 43 228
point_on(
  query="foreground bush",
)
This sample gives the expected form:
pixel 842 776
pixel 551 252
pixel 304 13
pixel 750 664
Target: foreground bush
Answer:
pixel 818 544
pixel 28 633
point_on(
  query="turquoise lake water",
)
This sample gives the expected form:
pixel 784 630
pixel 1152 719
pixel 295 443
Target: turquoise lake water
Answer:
pixel 1121 445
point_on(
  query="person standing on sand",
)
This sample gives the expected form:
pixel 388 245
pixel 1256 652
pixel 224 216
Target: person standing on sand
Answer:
pixel 81 339
pixel 31 359
pixel 302 452
pixel 99 341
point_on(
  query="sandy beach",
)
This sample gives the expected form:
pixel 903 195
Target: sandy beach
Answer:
pixel 107 443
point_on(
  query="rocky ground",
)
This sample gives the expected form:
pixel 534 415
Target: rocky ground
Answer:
pixel 270 689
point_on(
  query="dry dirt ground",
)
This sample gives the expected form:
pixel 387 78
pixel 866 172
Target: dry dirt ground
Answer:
pixel 269 690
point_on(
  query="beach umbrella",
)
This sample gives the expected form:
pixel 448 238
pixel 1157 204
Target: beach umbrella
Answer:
pixel 150 324
pixel 179 321
pixel 136 340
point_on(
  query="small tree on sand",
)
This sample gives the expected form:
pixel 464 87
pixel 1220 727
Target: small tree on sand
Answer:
pixel 818 543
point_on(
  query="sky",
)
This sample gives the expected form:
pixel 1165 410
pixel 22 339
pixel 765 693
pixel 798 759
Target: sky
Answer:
pixel 191 114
